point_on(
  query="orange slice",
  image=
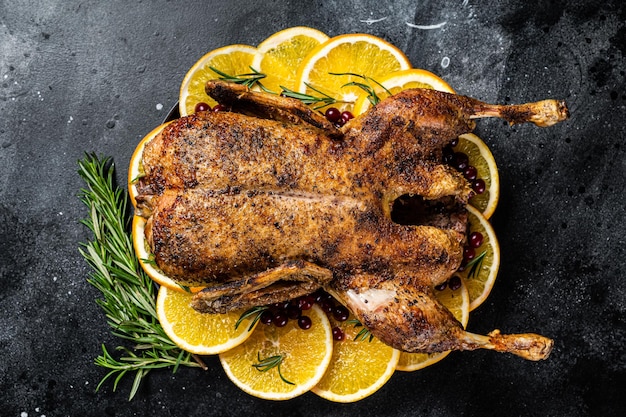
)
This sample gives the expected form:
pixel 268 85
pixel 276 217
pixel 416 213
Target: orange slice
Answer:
pixel 280 55
pixel 480 275
pixel 231 59
pixel 361 54
pixel 199 333
pixel 359 367
pixel 458 302
pixel 135 169
pixel 142 250
pixel 401 80
pixel 299 357
pixel 482 159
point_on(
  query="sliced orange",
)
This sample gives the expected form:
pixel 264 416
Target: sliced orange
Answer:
pixel 299 357
pixel 280 55
pixel 135 168
pixel 398 81
pixel 142 250
pixel 199 333
pixel 458 302
pixel 359 367
pixel 361 54
pixel 482 159
pixel 232 60
pixel 480 274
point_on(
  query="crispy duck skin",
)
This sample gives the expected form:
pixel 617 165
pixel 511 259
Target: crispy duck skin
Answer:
pixel 230 150
pixel 337 233
pixel 274 203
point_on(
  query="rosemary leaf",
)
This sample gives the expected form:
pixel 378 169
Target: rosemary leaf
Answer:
pixel 324 99
pixel 249 80
pixel 128 294
pixel 366 86
pixel 475 264
pixel 271 362
pixel 254 312
pixel 363 334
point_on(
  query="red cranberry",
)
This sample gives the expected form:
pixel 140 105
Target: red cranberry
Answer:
pixel 479 186
pixel 341 313
pixel 304 322
pixel 266 317
pixel 327 306
pixel 346 116
pixel 280 319
pixel 475 239
pixel 469 253
pixel 461 161
pixel 322 296
pixel 441 286
pixel 338 334
pixel 306 302
pixel 202 107
pixel 220 107
pixel 470 173
pixel 454 282
pixel 332 114
pixel 454 142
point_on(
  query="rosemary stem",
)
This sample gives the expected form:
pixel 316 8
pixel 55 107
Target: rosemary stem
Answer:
pixel 128 294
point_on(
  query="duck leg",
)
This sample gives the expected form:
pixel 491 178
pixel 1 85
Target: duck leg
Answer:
pixel 543 113
pixel 420 122
pixel 408 317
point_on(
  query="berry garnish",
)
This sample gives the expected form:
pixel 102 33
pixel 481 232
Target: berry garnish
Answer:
pixel 266 317
pixel 470 173
pixel 338 334
pixel 202 107
pixel 454 282
pixel 479 186
pixel 304 322
pixel 332 114
pixel 220 107
pixel 280 319
pixel 468 253
pixel 461 161
pixel 475 239
pixel 341 313
pixel 306 302
pixel 346 116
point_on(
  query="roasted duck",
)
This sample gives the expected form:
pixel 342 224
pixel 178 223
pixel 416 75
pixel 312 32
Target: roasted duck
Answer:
pixel 271 201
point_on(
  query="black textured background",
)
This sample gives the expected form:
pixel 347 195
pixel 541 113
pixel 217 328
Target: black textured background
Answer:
pixel 95 76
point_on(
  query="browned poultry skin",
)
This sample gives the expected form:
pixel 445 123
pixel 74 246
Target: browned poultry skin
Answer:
pixel 262 210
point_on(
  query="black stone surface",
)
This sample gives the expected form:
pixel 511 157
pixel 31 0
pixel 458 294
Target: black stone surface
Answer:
pixel 95 76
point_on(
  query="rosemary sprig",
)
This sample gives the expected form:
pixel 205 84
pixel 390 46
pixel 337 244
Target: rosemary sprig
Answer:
pixel 252 312
pixel 249 79
pixel 366 86
pixel 271 362
pixel 363 334
pixel 308 99
pixel 128 293
pixel 475 264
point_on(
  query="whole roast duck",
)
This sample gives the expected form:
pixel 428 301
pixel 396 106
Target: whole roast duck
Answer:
pixel 270 201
